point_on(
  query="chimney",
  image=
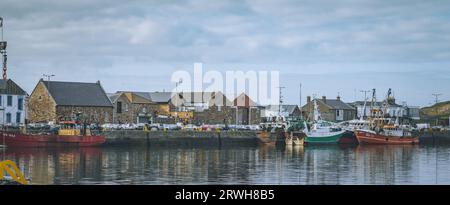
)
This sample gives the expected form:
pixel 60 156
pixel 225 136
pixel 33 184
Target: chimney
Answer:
pixel 338 98
pixel 324 99
pixel 98 82
pixel 308 99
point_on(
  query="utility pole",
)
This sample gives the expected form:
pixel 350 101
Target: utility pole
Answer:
pixel 280 101
pixel 436 96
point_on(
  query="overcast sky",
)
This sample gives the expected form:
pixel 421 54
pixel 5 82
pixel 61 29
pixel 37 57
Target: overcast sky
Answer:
pixel 327 46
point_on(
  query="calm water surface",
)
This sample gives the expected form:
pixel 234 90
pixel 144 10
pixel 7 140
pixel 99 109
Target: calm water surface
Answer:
pixel 236 165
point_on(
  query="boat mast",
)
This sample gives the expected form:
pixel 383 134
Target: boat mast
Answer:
pixel 365 104
pixel 386 102
pixel 317 116
pixel 3 51
pixel 372 108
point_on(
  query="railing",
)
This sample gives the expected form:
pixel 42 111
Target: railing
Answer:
pixel 13 171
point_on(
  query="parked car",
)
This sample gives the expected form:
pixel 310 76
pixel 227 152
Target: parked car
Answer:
pixel 190 127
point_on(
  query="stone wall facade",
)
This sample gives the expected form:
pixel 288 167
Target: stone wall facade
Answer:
pixel 90 114
pixel 134 112
pixel 228 115
pixel 215 115
pixel 41 106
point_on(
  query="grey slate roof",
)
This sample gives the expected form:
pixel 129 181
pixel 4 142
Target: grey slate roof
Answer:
pixel 338 104
pixel 160 97
pixel 145 95
pixel 78 94
pixel 113 96
pixel 10 87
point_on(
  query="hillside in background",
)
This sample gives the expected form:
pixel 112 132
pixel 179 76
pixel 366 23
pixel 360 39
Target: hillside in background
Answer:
pixel 440 110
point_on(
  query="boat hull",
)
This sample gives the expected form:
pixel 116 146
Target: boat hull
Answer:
pixel 26 140
pixel 331 139
pixel 348 137
pixel 365 137
pixel 294 138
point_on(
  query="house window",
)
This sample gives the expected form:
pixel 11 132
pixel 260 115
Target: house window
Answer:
pixel 8 117
pixel 219 108
pixel 119 107
pixel 1 100
pixel 9 100
pixel 20 104
pixel 337 113
pixel 126 107
pixel 18 115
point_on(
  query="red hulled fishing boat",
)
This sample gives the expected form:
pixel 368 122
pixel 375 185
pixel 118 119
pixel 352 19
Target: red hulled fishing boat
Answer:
pixel 68 135
pixel 380 132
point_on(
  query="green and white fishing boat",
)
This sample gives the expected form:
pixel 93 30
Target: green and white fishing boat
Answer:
pixel 322 131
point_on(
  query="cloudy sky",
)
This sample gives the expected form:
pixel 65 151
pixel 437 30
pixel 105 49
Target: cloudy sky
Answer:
pixel 327 46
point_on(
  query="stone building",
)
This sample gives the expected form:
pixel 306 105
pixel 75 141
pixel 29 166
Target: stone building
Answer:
pixel 53 101
pixel 333 110
pixel 12 103
pixel 218 110
pixel 134 107
pixel 248 112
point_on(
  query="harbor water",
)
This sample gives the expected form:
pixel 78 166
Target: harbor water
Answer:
pixel 333 164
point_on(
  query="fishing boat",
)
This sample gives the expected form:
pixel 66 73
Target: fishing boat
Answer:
pixel 288 132
pixel 70 133
pixel 295 134
pixel 322 131
pixel 380 132
pixel 351 126
pixel 271 133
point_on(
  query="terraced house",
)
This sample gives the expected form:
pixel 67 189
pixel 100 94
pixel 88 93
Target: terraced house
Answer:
pixel 54 101
pixel 12 103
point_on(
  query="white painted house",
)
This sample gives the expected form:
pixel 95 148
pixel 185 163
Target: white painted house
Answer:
pixel 12 103
pixel 393 109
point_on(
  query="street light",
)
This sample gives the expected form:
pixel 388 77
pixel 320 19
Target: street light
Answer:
pixel 48 76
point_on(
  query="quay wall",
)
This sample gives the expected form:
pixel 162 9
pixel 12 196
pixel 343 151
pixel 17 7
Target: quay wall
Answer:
pixel 434 137
pixel 180 137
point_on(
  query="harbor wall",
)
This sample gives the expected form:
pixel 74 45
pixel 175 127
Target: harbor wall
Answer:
pixel 180 137
pixel 434 137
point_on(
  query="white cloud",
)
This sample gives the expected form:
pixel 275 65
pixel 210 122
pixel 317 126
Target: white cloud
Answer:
pixel 144 31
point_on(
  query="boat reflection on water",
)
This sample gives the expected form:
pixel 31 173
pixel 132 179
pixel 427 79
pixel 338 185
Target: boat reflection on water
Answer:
pixel 56 165
pixel 314 164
